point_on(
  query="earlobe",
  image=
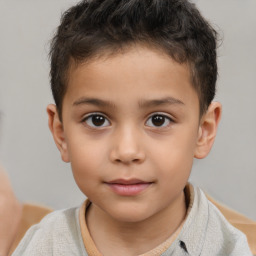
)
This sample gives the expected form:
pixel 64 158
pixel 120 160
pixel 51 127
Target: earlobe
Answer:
pixel 56 128
pixel 207 130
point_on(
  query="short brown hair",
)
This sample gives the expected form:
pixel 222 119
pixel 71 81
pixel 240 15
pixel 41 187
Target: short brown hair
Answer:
pixel 173 26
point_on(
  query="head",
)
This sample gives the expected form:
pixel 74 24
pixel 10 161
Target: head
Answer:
pixel 133 83
pixel 93 29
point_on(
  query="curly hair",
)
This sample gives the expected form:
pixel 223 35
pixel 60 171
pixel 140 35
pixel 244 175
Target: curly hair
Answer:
pixel 96 27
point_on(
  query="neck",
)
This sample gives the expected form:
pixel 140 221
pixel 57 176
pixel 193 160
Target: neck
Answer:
pixel 114 237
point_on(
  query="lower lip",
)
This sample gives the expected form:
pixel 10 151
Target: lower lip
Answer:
pixel 128 189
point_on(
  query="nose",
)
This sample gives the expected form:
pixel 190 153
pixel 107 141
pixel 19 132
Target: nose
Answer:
pixel 127 147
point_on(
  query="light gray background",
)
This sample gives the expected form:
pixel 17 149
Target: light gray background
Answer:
pixel 27 149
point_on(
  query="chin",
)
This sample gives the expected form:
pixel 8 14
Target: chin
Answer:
pixel 130 215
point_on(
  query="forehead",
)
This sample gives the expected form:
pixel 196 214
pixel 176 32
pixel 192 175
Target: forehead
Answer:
pixel 146 57
pixel 137 72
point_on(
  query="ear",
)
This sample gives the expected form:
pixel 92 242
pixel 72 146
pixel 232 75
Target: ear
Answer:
pixel 207 130
pixel 57 130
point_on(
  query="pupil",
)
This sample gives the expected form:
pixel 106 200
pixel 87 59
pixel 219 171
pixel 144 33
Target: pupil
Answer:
pixel 98 120
pixel 158 120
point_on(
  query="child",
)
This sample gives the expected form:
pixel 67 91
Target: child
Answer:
pixel 133 82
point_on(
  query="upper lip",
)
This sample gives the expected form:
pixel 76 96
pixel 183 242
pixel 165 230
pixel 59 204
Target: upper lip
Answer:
pixel 127 181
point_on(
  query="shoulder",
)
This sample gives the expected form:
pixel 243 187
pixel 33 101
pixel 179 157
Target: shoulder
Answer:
pixel 58 232
pixel 206 231
pixel 220 236
pixel 55 223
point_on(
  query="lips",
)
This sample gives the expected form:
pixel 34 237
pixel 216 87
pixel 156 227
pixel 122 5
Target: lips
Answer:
pixel 128 187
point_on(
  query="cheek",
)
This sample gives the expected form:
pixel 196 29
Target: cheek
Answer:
pixel 84 153
pixel 174 170
pixel 86 160
pixel 175 155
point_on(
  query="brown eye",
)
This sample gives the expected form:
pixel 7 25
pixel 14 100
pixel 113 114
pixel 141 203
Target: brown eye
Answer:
pixel 97 121
pixel 158 121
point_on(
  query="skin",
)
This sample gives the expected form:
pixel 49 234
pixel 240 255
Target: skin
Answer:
pixel 10 214
pixel 125 91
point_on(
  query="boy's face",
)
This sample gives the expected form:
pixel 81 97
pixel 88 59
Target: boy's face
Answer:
pixel 131 129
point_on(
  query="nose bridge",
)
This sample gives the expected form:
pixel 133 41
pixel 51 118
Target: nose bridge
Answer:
pixel 127 145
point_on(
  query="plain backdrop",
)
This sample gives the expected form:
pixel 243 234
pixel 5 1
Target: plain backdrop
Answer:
pixel 28 151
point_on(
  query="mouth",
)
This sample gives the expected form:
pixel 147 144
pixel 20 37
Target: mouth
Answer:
pixel 130 187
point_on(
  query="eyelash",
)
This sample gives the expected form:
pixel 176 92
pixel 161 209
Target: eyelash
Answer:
pixel 103 118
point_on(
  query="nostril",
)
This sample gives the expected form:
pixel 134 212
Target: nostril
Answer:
pixel 128 161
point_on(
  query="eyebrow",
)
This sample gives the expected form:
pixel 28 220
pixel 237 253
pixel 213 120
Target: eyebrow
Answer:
pixel 160 102
pixel 94 101
pixel 142 103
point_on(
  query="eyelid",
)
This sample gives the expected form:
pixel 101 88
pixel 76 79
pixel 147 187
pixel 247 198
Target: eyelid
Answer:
pixel 93 114
pixel 162 114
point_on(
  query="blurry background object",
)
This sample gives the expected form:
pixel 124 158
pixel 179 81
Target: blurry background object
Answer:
pixel 10 214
